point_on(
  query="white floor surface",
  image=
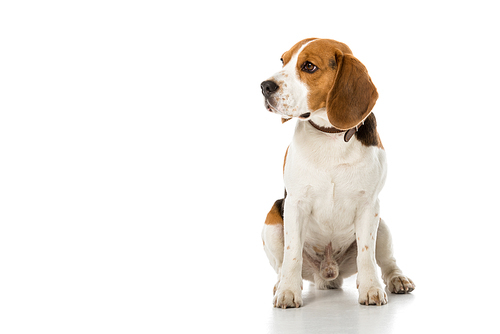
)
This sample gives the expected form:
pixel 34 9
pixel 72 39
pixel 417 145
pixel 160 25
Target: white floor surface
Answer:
pixel 442 306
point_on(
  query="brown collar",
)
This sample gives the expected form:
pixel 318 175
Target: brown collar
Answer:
pixel 348 133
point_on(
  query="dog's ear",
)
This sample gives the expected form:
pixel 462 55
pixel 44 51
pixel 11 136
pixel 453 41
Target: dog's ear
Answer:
pixel 353 94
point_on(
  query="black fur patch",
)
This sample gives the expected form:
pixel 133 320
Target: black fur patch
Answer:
pixel 280 204
pixel 367 133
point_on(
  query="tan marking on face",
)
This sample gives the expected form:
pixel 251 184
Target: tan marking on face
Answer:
pixel 321 53
pixel 287 247
pixel 288 54
pixel 332 86
pixel 290 100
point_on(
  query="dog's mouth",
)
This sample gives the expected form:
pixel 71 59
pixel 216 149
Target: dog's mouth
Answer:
pixel 272 109
pixel 269 107
pixel 275 110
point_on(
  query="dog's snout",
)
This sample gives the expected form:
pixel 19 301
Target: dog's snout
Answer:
pixel 268 88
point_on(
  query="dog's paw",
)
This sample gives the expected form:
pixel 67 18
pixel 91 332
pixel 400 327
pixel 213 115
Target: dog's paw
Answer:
pixel 401 284
pixel 372 296
pixel 287 298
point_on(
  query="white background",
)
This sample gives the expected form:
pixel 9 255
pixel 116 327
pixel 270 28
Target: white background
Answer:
pixel 137 162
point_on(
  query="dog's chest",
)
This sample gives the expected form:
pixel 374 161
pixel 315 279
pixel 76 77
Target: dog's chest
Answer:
pixel 334 198
pixel 335 179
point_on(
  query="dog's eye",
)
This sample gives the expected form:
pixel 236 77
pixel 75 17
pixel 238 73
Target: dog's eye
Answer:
pixel 282 61
pixel 309 67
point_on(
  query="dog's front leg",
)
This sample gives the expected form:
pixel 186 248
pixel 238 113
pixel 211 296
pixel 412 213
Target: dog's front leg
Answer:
pixel 289 292
pixel 370 289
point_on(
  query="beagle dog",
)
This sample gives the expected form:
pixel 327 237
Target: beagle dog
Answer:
pixel 328 225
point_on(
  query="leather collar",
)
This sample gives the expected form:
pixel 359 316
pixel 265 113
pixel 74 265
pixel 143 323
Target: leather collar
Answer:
pixel 348 133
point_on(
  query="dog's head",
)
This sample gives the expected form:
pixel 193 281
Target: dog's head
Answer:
pixel 321 74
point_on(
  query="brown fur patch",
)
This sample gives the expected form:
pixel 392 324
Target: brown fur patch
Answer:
pixel 275 214
pixel 321 53
pixel 353 95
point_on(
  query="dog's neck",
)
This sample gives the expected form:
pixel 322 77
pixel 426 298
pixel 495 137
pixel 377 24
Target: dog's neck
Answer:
pixel 325 126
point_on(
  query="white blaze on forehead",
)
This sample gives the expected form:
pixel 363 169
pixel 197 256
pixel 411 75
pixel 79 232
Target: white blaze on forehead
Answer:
pixel 296 55
pixel 291 98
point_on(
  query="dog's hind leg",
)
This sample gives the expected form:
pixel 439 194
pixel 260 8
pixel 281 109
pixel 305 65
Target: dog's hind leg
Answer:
pixel 393 277
pixel 273 239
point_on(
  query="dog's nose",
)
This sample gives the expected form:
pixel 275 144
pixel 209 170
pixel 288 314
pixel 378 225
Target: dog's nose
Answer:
pixel 268 88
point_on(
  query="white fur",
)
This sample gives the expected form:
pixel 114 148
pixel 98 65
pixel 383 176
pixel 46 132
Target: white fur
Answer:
pixel 332 196
pixel 292 98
